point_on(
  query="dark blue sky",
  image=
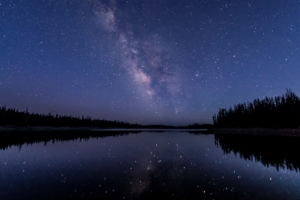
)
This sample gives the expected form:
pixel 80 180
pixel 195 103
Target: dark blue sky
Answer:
pixel 150 62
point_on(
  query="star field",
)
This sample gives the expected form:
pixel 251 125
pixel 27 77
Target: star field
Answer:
pixel 149 62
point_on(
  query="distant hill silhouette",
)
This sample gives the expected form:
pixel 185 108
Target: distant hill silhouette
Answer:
pixel 279 112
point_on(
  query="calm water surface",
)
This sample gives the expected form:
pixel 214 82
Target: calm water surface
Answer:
pixel 173 165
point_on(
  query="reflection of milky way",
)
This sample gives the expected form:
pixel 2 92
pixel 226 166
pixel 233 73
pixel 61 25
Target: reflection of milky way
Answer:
pixel 146 60
pixel 154 170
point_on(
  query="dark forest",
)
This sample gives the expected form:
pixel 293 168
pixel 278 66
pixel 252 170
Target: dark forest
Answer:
pixel 13 117
pixel 16 118
pixel 279 112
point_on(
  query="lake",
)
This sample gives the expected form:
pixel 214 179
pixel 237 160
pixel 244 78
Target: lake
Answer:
pixel 148 165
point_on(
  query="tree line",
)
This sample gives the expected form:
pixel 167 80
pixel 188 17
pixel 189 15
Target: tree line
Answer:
pixel 13 117
pixel 279 112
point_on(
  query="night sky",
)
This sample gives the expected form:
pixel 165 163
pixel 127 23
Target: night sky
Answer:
pixel 150 62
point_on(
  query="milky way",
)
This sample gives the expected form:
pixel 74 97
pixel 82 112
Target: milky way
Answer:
pixel 150 62
pixel 150 65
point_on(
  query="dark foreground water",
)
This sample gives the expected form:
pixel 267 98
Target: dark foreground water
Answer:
pixel 151 165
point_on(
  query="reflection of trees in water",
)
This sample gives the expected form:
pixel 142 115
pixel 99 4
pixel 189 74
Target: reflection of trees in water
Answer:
pixel 29 138
pixel 280 152
pixel 19 138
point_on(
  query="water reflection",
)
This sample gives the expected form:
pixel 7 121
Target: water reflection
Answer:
pixel 148 165
pixel 20 138
pixel 28 138
pixel 280 152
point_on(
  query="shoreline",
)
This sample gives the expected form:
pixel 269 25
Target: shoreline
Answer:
pixel 24 129
pixel 112 129
pixel 256 131
pixel 221 131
